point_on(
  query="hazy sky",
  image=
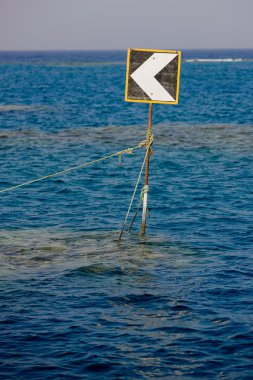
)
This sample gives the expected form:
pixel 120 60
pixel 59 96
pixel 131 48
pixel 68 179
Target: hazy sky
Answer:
pixel 118 24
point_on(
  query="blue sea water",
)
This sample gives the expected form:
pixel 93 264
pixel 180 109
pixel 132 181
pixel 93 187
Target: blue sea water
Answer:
pixel 175 304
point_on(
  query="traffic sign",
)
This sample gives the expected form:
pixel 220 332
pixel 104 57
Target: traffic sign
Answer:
pixel 153 76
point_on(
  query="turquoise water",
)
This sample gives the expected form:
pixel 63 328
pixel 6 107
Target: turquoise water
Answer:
pixel 76 304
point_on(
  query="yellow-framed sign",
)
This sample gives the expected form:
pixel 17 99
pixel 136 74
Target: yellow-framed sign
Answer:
pixel 153 76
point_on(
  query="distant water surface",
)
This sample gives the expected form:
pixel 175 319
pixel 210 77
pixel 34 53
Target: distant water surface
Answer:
pixel 77 304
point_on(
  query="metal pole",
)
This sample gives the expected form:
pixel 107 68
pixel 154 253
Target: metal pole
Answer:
pixel 145 196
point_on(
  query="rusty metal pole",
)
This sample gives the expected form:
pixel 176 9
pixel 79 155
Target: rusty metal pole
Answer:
pixel 145 195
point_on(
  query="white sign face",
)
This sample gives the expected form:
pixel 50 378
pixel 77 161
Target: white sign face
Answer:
pixel 153 76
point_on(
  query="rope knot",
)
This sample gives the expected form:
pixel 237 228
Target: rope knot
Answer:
pixel 149 141
pixel 150 138
pixel 128 150
pixel 142 143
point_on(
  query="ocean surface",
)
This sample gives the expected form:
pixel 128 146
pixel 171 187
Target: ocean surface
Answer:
pixel 74 302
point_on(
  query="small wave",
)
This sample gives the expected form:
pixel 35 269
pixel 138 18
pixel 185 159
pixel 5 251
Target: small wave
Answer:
pixel 137 299
pixel 98 367
pixel 66 64
pixel 217 60
pixel 14 107
pixel 99 269
pixel 103 270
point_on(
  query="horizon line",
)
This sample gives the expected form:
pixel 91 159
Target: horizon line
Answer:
pixel 115 49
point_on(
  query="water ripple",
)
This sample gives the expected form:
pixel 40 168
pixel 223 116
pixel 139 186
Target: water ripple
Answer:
pixel 175 304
